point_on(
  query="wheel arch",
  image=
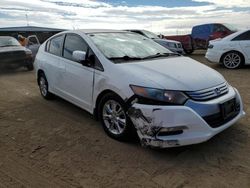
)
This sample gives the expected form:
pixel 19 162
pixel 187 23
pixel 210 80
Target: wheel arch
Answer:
pixel 99 98
pixel 241 54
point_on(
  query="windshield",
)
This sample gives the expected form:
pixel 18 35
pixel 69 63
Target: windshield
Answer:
pixel 231 27
pixel 129 46
pixel 150 34
pixel 8 41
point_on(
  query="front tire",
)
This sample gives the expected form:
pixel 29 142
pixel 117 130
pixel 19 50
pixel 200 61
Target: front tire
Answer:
pixel 112 112
pixel 44 87
pixel 188 52
pixel 232 60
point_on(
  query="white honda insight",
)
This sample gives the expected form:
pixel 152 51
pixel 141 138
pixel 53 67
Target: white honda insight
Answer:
pixel 133 84
pixel 232 51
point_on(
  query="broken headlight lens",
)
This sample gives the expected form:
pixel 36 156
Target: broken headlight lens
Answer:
pixel 166 96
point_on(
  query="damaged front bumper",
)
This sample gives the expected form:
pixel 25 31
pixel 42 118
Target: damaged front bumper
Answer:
pixel 172 126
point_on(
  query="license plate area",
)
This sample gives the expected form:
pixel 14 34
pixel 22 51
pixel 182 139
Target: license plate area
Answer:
pixel 228 108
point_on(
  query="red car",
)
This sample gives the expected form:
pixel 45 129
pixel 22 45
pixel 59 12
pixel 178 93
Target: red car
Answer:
pixel 201 35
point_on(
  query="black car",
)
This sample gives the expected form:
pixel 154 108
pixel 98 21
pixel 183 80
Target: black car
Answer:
pixel 12 54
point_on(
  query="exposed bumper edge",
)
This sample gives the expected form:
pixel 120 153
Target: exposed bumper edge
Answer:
pixel 149 120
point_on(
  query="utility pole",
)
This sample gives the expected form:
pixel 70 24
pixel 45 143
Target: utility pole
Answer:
pixel 27 19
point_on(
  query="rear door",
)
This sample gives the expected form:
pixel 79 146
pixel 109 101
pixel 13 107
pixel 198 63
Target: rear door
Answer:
pixel 54 66
pixel 78 79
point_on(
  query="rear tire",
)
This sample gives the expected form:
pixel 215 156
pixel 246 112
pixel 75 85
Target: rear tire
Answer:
pixel 112 113
pixel 44 87
pixel 188 51
pixel 232 60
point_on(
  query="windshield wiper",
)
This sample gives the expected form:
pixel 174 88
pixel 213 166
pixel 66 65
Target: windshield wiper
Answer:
pixel 161 55
pixel 125 58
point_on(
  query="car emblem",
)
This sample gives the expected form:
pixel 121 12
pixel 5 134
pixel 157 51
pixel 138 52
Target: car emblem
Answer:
pixel 217 91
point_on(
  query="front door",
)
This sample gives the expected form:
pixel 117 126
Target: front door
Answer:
pixel 78 79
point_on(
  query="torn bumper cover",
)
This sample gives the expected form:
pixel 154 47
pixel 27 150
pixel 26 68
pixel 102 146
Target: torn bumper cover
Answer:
pixel 171 126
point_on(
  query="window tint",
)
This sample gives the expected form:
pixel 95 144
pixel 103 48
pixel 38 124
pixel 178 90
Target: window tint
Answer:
pixel 72 43
pixel 55 46
pixel 243 36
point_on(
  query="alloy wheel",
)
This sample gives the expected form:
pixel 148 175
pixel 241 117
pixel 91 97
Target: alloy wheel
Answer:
pixel 232 60
pixel 114 117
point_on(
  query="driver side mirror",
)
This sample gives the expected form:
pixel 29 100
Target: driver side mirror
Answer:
pixel 79 56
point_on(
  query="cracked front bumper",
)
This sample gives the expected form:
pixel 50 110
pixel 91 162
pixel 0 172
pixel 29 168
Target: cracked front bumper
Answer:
pixel 150 119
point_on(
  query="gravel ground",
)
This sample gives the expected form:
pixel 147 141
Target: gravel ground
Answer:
pixel 55 144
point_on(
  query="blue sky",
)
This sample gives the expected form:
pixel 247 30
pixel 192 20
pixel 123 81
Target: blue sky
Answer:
pixel 166 3
pixel 159 16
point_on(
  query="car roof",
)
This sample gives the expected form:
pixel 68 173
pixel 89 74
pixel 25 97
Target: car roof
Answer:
pixel 88 31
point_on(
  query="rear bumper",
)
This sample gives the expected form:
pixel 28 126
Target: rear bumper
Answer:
pixel 213 56
pixel 186 122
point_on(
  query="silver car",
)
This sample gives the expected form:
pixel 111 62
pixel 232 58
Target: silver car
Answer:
pixel 172 45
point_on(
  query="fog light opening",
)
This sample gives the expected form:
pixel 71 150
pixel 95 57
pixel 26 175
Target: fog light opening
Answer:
pixel 170 131
pixel 173 142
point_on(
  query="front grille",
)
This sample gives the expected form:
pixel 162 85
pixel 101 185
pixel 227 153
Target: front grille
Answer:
pixel 13 53
pixel 217 120
pixel 13 57
pixel 210 93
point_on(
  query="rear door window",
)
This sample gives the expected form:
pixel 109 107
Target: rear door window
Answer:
pixel 55 45
pixel 73 42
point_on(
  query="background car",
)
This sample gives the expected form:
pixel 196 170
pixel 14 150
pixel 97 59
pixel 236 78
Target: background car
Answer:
pixel 172 45
pixel 232 51
pixel 201 35
pixel 12 54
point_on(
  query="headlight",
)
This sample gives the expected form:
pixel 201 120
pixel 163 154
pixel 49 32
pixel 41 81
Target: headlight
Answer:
pixel 159 95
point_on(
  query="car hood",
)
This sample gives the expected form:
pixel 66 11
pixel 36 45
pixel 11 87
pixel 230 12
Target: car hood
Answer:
pixel 174 73
pixel 12 49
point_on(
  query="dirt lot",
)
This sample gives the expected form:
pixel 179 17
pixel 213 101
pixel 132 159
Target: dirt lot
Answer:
pixel 55 144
